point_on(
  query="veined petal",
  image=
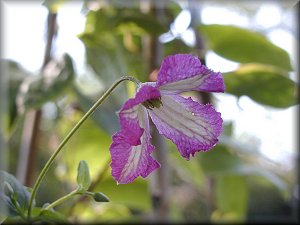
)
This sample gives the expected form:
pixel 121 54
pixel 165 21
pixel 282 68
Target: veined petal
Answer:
pixel 131 148
pixel 184 72
pixel 190 125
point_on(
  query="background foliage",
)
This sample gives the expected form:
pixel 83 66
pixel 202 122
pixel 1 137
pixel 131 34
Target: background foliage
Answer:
pixel 230 183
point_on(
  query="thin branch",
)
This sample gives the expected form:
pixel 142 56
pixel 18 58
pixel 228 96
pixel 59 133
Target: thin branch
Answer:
pixel 29 141
pixel 159 186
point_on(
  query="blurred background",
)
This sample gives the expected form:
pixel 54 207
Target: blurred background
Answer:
pixel 58 57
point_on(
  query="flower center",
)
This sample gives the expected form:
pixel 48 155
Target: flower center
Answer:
pixel 152 103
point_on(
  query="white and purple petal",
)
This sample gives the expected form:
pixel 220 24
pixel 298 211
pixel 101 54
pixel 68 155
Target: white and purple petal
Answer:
pixel 184 72
pixel 131 148
pixel 190 125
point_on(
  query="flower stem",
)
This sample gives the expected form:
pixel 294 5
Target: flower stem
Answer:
pixel 70 134
pixel 62 199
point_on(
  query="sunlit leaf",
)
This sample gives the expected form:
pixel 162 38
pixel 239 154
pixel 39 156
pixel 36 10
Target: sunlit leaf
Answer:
pixel 244 46
pixel 109 38
pixel 264 84
pixel 231 197
pixel 134 195
pixel 89 143
pixel 102 213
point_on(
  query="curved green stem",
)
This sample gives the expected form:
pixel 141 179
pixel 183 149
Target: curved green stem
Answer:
pixel 70 134
pixel 62 199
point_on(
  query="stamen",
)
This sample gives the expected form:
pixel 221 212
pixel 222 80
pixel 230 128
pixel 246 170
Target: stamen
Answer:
pixel 152 103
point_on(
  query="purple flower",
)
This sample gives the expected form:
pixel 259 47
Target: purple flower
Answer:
pixel 190 125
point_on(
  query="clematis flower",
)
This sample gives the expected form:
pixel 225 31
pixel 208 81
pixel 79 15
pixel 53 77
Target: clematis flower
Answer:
pixel 192 126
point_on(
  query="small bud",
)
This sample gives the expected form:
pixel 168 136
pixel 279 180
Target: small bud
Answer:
pixel 83 175
pixel 100 197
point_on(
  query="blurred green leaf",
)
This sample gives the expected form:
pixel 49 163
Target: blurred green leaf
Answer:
pixel 113 43
pixel 15 76
pixel 134 195
pixel 14 220
pixel 105 117
pixel 221 161
pixel 90 143
pixel 244 46
pixel 48 216
pixel 53 217
pixel 20 194
pixel 232 197
pixel 105 55
pixel 83 175
pixel 102 213
pixel 227 128
pixel 188 170
pixel 265 199
pixel 264 84
pixel 35 91
pixel 175 46
pixel 147 22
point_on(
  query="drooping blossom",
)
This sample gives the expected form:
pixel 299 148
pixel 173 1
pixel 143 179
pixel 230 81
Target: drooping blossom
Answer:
pixel 192 126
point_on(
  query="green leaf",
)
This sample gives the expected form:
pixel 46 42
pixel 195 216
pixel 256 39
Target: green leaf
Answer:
pixel 90 143
pixel 134 195
pixel 264 84
pixel 107 59
pixel 105 117
pixel 176 45
pixel 190 171
pixel 15 76
pixel 10 188
pixel 48 216
pixel 147 22
pixel 228 128
pixel 232 197
pixel 107 48
pixel 83 175
pixel 244 46
pixel 53 217
pixel 222 161
pixel 35 91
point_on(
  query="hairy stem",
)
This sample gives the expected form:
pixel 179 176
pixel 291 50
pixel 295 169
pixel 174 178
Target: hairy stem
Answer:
pixel 70 134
